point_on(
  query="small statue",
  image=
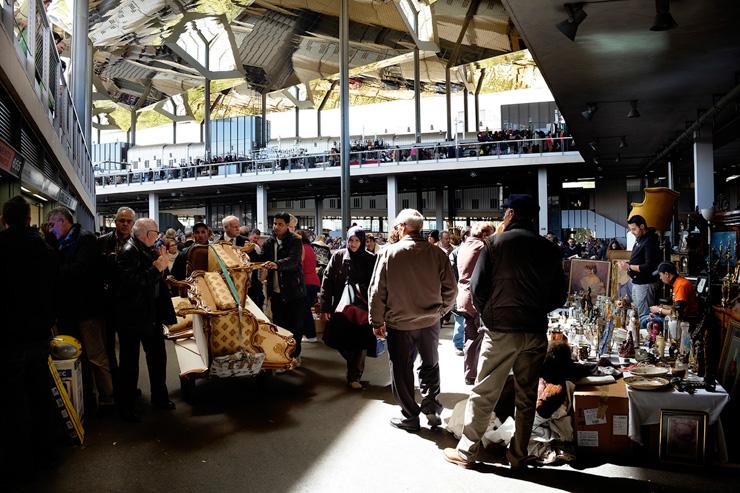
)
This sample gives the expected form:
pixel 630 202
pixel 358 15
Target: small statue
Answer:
pixel 627 348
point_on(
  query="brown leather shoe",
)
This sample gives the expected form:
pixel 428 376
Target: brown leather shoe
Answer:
pixel 453 456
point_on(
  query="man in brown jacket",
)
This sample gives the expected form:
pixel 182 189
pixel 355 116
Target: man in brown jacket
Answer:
pixel 411 288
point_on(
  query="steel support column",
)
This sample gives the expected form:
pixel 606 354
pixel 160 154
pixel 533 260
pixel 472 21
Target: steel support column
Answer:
pixel 318 202
pixel 80 61
pixel 542 199
pixel 261 220
pixel 263 140
pixel 417 95
pixel 448 102
pixel 174 132
pixel 154 207
pixel 207 117
pixel 478 87
pixel 703 168
pixel 321 106
pixel 392 196
pixel 87 123
pixel 439 209
pixel 132 129
pixel 297 115
pixel 344 105
pixel 465 111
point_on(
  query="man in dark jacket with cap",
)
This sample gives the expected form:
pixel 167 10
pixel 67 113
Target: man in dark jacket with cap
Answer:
pixel 517 281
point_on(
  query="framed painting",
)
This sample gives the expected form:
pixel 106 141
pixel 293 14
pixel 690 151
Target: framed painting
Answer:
pixel 620 283
pixel 730 360
pixel 585 274
pixel 683 436
pixel 724 249
pixel 618 255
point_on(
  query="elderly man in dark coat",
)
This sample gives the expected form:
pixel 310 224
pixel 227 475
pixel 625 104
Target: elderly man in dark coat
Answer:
pixel 142 306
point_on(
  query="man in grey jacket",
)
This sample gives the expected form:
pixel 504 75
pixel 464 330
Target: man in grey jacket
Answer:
pixel 412 287
pixel 517 280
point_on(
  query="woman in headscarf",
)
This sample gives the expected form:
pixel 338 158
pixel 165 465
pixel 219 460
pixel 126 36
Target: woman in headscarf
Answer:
pixel 352 265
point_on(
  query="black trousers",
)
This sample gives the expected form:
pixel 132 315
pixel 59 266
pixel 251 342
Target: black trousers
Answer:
pixel 152 340
pixel 403 347
pixel 29 415
pixel 288 314
pixel 355 363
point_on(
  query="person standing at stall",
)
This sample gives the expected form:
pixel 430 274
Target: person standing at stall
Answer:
pixel 349 268
pixel 643 261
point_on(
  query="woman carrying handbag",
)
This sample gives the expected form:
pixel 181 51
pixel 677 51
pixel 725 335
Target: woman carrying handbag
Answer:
pixel 343 299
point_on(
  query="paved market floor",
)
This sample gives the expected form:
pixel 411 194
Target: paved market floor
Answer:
pixel 304 431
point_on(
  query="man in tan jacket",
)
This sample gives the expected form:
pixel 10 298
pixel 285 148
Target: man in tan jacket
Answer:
pixel 411 288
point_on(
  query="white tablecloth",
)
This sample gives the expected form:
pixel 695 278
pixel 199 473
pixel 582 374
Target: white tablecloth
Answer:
pixel 645 407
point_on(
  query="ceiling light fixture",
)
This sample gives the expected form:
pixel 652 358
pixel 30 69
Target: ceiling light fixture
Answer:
pixel 594 145
pixel 633 110
pixel 40 197
pixel 576 15
pixel 663 19
pixel 622 142
pixel 591 108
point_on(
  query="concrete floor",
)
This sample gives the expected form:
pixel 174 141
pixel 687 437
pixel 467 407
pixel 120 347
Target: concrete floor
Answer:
pixel 304 431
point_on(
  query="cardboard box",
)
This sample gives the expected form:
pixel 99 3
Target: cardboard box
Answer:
pixel 602 419
pixel 70 371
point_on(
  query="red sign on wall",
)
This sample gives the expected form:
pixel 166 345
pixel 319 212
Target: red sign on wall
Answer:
pixel 10 161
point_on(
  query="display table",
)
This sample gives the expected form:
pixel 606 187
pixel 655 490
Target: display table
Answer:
pixel 645 407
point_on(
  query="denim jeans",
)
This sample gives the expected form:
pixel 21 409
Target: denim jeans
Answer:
pixel 458 333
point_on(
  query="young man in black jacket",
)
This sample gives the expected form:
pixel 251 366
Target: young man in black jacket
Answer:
pixel 517 281
pixel 285 286
pixel 643 261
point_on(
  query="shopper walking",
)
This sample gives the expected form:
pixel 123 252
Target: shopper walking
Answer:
pixel 517 281
pixel 349 268
pixel 313 283
pixel 411 288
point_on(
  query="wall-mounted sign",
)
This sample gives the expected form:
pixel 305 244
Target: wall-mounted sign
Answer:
pixel 10 161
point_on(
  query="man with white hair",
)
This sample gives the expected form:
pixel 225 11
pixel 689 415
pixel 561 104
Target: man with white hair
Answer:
pixel 231 231
pixel 110 245
pixel 411 288
pixel 142 306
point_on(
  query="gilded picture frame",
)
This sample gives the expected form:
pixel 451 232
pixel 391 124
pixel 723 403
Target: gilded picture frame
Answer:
pixel 683 437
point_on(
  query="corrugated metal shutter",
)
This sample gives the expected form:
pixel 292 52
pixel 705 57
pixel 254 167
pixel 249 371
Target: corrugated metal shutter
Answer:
pixel 6 119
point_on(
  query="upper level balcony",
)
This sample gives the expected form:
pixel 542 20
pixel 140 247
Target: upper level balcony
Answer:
pixel 34 76
pixel 420 158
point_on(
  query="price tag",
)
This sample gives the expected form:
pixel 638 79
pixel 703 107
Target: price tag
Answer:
pixel 620 425
pixel 592 417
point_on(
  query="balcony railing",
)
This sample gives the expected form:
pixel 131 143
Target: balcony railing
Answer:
pixel 36 49
pixel 373 158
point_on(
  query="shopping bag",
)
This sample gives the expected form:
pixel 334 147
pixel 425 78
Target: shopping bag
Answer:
pixel 352 305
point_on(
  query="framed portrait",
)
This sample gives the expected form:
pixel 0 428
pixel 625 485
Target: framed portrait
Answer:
pixel 683 436
pixel 585 274
pixel 730 360
pixel 620 283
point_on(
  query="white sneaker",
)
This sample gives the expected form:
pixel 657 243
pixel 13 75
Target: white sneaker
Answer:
pixel 310 339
